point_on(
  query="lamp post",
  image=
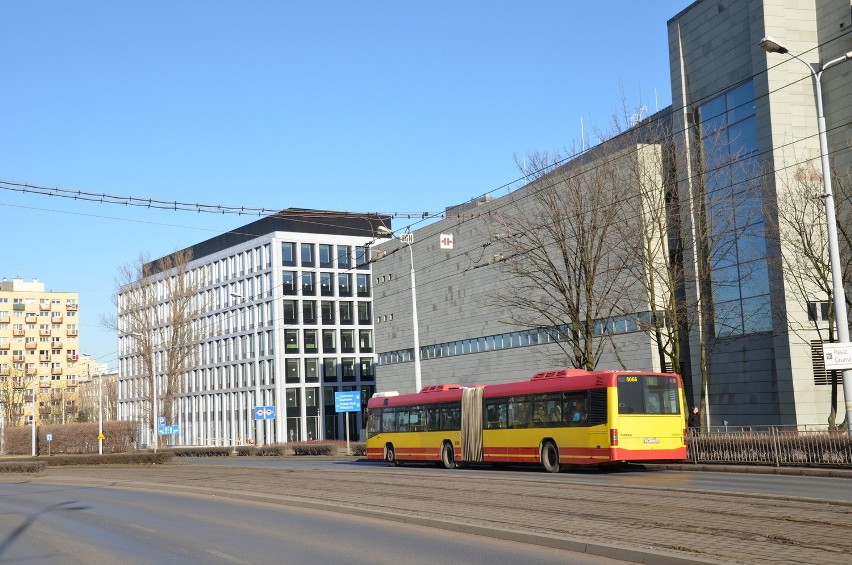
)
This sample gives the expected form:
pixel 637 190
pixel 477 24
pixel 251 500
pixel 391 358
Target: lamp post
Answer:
pixel 35 383
pixel 771 45
pixel 100 416
pixel 408 239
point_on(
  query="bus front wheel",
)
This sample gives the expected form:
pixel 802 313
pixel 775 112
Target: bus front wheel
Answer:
pixel 550 457
pixel 390 456
pixel 448 456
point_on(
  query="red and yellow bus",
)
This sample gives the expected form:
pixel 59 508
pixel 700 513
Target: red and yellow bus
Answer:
pixel 556 419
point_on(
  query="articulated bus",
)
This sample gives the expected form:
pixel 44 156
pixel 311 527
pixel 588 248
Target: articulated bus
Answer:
pixel 557 419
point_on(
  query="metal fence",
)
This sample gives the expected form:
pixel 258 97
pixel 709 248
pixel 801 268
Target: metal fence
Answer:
pixel 771 445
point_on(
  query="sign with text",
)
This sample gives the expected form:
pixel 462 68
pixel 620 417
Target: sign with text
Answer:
pixel 165 430
pixel 837 356
pixel 348 401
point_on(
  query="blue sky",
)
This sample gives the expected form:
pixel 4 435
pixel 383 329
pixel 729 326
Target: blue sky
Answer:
pixel 387 107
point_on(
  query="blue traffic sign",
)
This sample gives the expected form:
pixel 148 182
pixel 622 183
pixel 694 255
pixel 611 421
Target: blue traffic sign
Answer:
pixel 347 401
pixel 161 421
pixel 169 430
pixel 264 412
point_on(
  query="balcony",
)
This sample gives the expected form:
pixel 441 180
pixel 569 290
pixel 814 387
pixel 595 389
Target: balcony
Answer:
pixel 71 307
pixel 56 345
pixel 6 345
pixel 56 371
pixel 56 319
pixel 32 371
pixel 30 319
pixel 4 319
pixel 44 306
pixel 5 372
pixel 72 357
pixel 31 345
pixel 44 333
pixel 71 333
pixel 17 358
pixel 44 358
pixel 18 332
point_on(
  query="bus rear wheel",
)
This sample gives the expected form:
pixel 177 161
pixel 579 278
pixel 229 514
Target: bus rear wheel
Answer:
pixel 390 456
pixel 448 456
pixel 550 457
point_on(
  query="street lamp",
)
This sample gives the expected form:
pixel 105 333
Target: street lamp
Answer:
pixel 771 45
pixel 100 405
pixel 408 239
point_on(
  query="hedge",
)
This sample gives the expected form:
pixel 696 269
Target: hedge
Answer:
pixel 22 467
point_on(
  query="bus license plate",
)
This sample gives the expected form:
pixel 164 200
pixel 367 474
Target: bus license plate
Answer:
pixel 651 440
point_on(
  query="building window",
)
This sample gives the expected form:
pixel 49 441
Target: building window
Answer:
pixel 327 312
pixel 309 312
pixel 327 284
pixel 308 283
pixel 288 282
pixel 364 313
pixel 362 257
pixel 307 254
pixel 736 241
pixel 344 284
pixel 365 341
pixel 329 341
pixel 362 283
pixel 291 341
pixel 312 370
pixel 291 370
pixel 347 341
pixel 347 369
pixel 288 254
pixel 311 341
pixel 325 256
pixel 288 312
pixel 818 311
pixel 345 313
pixel 344 252
pixel 329 370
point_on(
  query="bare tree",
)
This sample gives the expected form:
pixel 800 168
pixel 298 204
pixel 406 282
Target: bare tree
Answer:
pixel 562 254
pixel 798 219
pixel 157 305
pixel 13 395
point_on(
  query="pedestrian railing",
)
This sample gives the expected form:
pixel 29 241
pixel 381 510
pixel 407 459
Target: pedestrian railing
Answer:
pixel 770 445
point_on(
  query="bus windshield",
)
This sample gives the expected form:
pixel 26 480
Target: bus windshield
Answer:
pixel 648 394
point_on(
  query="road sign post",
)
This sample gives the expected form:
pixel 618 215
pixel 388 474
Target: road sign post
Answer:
pixel 346 402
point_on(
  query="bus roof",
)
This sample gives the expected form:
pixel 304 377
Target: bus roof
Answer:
pixel 540 383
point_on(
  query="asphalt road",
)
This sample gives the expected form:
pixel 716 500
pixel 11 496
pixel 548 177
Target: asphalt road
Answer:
pixel 63 524
pixel 647 516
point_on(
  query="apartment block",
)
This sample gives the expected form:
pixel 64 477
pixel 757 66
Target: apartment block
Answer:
pixel 39 337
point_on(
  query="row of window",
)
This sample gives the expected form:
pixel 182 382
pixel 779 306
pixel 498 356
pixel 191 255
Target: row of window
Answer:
pixel 329 313
pixel 324 255
pixel 329 341
pixel 536 336
pixel 306 281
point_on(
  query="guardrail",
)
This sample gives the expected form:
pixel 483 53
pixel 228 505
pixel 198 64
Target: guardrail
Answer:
pixel 770 445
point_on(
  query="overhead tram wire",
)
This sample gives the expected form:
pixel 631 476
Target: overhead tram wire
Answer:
pixel 243 210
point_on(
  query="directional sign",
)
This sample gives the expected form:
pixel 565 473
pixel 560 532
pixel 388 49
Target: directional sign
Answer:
pixel 838 356
pixel 348 401
pixel 264 412
pixel 169 430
